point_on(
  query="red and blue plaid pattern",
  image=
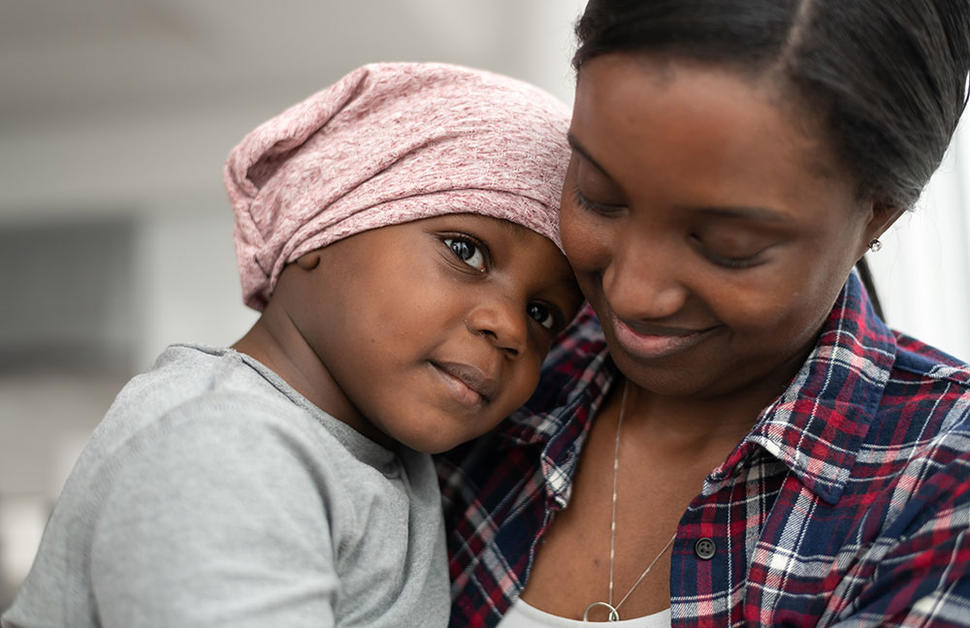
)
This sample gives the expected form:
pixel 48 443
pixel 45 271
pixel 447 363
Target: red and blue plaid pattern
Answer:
pixel 847 504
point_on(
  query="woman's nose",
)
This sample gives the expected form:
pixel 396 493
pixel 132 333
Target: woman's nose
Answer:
pixel 502 321
pixel 641 282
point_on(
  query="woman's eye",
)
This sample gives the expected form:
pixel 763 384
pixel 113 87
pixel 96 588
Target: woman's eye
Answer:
pixel 733 262
pixel 592 206
pixel 736 259
pixel 542 315
pixel 467 251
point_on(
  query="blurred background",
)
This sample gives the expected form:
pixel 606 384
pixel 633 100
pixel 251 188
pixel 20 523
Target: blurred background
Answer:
pixel 115 235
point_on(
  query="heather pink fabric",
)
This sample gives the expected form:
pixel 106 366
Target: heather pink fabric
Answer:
pixel 390 143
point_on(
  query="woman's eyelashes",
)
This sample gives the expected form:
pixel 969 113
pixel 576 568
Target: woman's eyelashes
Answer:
pixel 605 209
pixel 725 259
pixel 738 263
pixel 468 250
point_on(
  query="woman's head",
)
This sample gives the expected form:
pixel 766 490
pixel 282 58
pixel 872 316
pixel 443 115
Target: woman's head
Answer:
pixel 886 79
pixel 730 165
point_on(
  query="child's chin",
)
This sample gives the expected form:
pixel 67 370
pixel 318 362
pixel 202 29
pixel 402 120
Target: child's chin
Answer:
pixel 434 446
pixel 435 443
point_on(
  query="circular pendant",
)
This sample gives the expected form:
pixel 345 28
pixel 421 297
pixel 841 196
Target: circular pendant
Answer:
pixel 613 616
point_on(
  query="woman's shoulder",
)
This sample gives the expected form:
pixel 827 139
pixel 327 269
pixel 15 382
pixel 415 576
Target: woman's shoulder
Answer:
pixel 928 391
pixel 922 427
pixel 916 358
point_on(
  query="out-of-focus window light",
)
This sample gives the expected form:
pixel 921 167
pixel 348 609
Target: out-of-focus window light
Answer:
pixel 22 520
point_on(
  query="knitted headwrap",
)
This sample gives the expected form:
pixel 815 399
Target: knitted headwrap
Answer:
pixel 391 143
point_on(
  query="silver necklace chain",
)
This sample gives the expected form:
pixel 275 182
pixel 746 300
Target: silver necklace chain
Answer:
pixel 614 609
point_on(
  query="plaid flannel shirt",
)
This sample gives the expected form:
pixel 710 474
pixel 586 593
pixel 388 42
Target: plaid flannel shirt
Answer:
pixel 848 503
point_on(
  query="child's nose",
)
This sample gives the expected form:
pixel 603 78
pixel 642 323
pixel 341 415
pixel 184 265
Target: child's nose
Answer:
pixel 502 322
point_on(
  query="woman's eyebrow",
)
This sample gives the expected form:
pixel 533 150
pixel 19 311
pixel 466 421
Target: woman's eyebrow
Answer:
pixel 576 146
pixel 744 212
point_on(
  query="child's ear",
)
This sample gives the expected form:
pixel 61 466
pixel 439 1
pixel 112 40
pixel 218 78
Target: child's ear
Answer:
pixel 309 261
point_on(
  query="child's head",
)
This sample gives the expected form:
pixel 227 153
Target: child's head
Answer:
pixel 399 232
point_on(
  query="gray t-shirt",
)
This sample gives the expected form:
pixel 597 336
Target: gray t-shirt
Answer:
pixel 214 494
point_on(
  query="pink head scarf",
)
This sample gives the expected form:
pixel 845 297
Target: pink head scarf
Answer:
pixel 391 143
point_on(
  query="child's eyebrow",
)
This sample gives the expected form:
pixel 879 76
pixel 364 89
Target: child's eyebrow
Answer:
pixel 512 227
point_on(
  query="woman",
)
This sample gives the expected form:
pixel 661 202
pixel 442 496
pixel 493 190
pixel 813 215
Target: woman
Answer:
pixel 730 434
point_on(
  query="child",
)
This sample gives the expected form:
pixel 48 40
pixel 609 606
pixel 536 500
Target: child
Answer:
pixel 398 231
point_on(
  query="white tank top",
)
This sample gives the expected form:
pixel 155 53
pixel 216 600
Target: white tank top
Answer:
pixel 522 615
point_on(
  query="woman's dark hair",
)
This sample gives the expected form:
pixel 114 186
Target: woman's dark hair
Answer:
pixel 887 78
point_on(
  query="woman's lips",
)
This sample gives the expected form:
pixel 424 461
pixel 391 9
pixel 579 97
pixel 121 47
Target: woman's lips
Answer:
pixel 653 341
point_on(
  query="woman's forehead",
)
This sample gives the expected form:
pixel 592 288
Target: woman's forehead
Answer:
pixel 631 113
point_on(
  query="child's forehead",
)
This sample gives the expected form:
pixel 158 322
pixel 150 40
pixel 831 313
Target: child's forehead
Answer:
pixel 473 221
pixel 508 225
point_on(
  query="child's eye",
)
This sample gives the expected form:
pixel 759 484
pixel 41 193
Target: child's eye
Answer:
pixel 467 251
pixel 542 314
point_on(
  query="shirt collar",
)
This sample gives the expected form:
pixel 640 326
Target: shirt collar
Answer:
pixel 817 425
pixel 576 376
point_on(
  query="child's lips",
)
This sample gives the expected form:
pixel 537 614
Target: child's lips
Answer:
pixel 472 378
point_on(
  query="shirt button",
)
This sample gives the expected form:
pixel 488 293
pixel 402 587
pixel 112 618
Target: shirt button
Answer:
pixel 704 548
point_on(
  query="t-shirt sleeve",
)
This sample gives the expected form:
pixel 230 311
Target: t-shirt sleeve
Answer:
pixel 217 516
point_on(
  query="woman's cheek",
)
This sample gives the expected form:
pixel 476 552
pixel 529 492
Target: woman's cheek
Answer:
pixel 753 306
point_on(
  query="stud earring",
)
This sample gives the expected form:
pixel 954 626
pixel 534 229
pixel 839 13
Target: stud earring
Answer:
pixel 875 245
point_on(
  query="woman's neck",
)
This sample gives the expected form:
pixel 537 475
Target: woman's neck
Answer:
pixel 695 423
